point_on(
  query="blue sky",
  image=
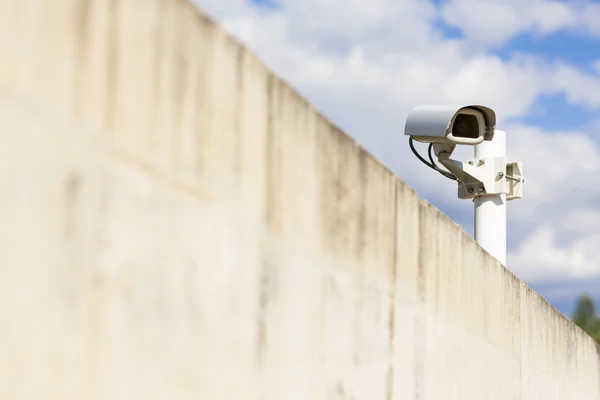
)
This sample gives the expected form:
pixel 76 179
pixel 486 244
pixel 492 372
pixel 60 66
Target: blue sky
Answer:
pixel 554 111
pixel 365 64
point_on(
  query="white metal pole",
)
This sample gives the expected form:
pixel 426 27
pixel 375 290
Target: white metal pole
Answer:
pixel 490 211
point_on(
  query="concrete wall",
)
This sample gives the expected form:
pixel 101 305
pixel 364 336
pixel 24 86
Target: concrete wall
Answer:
pixel 178 223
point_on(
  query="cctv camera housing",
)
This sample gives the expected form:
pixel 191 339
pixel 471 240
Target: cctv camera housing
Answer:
pixel 469 125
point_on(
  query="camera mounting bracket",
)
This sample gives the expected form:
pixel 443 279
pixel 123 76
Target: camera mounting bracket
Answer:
pixel 483 176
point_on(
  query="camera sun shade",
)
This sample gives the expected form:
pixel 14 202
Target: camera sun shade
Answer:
pixel 466 125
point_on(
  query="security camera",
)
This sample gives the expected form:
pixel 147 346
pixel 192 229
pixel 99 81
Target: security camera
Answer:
pixel 467 125
pixel 445 127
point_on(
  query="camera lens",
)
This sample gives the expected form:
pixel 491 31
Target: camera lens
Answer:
pixel 466 126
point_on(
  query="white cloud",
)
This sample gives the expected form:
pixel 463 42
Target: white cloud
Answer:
pixel 400 62
pixel 401 23
pixel 491 23
pixel 564 238
pixel 589 17
pixel 558 165
pixel 583 221
pixel 543 257
pixel 561 169
pixel 365 64
pixel 579 88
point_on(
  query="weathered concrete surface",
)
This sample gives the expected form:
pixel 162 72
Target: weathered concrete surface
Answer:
pixel 178 223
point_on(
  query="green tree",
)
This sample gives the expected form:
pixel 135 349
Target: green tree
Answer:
pixel 585 316
pixel 595 330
